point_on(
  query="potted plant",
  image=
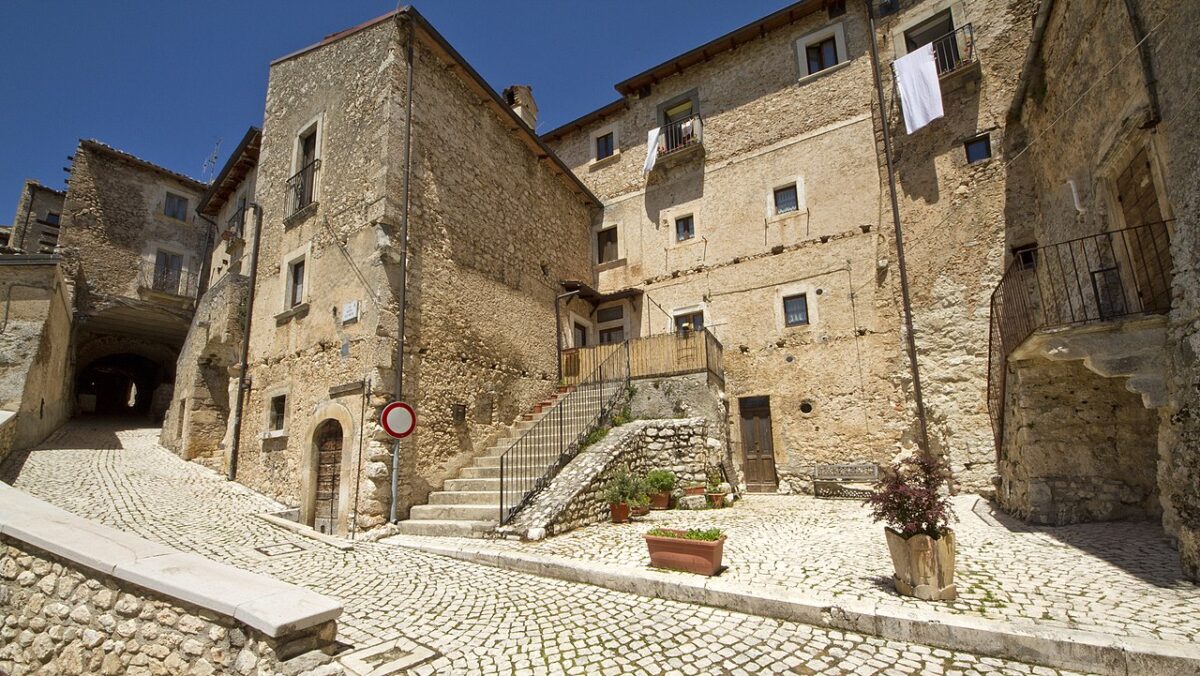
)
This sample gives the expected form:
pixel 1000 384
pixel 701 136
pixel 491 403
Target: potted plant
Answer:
pixel 640 505
pixel 622 492
pixel 694 550
pixel 716 496
pixel 913 502
pixel 659 484
pixel 694 488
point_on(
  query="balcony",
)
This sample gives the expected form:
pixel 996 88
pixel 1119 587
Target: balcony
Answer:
pixel 668 354
pixel 235 227
pixel 1070 295
pixel 301 187
pixel 954 52
pixel 169 282
pixel 680 135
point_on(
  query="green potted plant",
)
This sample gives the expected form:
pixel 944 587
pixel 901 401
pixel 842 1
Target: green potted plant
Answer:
pixel 694 488
pixel 621 492
pixel 659 484
pixel 912 500
pixel 640 505
pixel 695 550
pixel 716 496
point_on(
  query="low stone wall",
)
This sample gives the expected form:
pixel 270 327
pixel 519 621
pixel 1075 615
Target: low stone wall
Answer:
pixel 576 496
pixel 106 602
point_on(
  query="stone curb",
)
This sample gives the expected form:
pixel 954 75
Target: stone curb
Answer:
pixel 293 527
pixel 1050 646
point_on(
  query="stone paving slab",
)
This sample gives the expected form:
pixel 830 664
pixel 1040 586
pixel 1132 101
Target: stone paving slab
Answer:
pixel 440 615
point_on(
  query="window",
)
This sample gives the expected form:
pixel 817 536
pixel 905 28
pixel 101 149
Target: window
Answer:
pixel 610 324
pixel 678 112
pixel 604 146
pixel 295 287
pixel 303 184
pixel 168 270
pixel 689 321
pixel 613 335
pixel 610 314
pixel 277 413
pixel 606 245
pixel 53 218
pixel 786 199
pixel 580 334
pixel 821 55
pixel 795 310
pixel 937 26
pixel 1025 256
pixel 685 228
pixel 978 149
pixel 176 207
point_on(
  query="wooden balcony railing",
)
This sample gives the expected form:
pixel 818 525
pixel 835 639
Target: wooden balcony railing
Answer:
pixel 668 354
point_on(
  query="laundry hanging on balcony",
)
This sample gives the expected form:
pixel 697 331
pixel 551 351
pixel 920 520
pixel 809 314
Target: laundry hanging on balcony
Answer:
pixel 920 90
pixel 651 150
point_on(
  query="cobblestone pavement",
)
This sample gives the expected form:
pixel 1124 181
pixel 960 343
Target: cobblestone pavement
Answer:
pixel 1117 578
pixel 474 619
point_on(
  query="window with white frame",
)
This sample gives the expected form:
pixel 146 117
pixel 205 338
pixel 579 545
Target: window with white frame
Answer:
pixel 786 199
pixel 821 50
pixel 795 310
pixel 605 143
pixel 295 292
pixel 277 414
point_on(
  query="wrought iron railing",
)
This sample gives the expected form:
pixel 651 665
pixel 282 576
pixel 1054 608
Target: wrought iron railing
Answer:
pixel 537 456
pixel 681 134
pixel 301 185
pixel 173 281
pixel 1091 279
pixel 236 224
pixel 954 50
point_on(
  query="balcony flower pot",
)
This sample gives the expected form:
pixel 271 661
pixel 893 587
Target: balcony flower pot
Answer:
pixel 685 550
pixel 924 566
pixel 660 500
pixel 620 512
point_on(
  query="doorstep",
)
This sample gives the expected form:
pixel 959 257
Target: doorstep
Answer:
pixel 1026 642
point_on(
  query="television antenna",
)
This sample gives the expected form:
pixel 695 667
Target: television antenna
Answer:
pixel 209 168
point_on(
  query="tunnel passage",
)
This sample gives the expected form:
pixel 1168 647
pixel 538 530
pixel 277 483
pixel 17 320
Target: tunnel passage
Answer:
pixel 122 384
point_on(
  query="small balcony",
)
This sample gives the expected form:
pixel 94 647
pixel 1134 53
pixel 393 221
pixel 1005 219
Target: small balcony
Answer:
pixel 301 186
pixel 167 281
pixel 954 52
pixel 235 227
pixel 680 135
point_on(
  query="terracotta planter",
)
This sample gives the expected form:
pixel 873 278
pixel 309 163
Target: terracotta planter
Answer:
pixel 620 512
pixel 660 500
pixel 924 566
pixel 693 490
pixel 692 556
pixel 716 499
pixel 640 510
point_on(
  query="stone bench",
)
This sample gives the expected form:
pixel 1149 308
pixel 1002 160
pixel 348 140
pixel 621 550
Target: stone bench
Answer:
pixel 829 479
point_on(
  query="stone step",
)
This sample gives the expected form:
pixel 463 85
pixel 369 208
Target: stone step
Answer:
pixel 446 528
pixel 465 497
pixel 494 472
pixel 455 512
pixel 471 485
pixel 542 460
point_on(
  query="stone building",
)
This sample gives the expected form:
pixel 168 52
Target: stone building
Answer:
pixel 38 219
pixel 765 219
pixel 1094 324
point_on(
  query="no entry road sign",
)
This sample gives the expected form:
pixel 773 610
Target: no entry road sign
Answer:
pixel 398 419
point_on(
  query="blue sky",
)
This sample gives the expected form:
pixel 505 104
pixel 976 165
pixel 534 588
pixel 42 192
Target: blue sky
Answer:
pixel 166 79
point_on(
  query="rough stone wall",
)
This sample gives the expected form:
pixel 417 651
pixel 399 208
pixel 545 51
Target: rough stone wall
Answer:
pixel 575 497
pixel 59 618
pixel 196 422
pixel 35 204
pixel 35 339
pixel 1078 447
pixel 113 218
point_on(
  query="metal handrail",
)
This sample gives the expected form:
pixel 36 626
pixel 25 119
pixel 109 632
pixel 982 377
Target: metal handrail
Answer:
pixel 301 185
pixel 1113 275
pixel 954 50
pixel 537 456
pixel 681 134
pixel 176 282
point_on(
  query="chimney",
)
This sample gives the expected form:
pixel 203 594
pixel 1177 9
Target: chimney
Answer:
pixel 520 99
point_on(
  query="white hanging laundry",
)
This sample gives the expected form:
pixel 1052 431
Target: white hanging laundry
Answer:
pixel 920 90
pixel 651 150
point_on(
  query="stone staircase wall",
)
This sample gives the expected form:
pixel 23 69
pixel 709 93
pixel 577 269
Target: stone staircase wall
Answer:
pixel 576 496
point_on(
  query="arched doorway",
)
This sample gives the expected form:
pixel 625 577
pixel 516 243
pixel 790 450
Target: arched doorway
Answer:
pixel 327 441
pixel 120 384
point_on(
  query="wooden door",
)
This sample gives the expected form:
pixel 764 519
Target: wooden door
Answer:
pixel 1149 244
pixel 758 449
pixel 329 469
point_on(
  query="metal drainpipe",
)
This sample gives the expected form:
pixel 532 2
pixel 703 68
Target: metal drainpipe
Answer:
pixel 404 208
pixel 231 474
pixel 558 328
pixel 1035 46
pixel 918 400
pixel 1144 52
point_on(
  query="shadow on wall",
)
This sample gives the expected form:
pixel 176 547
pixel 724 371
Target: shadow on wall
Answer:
pixel 918 177
pixel 671 185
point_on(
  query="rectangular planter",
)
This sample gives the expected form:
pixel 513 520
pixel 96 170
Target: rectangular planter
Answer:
pixel 692 556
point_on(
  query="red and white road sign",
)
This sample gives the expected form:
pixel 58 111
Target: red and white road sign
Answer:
pixel 398 419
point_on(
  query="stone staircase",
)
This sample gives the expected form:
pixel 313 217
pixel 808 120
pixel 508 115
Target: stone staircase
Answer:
pixel 469 505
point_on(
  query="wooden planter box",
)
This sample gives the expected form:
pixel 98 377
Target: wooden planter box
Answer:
pixel 924 566
pixel 692 556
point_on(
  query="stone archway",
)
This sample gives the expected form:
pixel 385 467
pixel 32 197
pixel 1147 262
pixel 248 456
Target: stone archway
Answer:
pixel 326 500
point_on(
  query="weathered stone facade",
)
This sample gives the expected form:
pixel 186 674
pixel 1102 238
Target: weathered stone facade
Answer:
pixel 35 226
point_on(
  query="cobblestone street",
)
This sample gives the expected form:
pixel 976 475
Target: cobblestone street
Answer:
pixel 1118 578
pixel 471 618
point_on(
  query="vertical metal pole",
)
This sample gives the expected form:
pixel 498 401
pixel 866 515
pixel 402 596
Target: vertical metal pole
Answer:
pixel 395 479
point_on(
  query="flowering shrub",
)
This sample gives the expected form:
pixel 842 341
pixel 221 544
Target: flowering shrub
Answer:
pixel 912 497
